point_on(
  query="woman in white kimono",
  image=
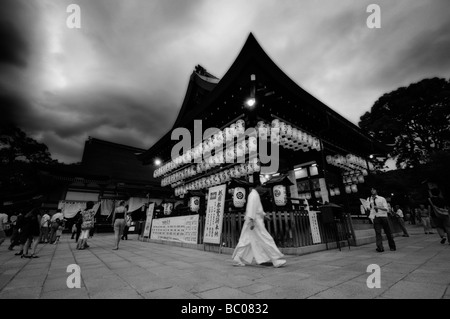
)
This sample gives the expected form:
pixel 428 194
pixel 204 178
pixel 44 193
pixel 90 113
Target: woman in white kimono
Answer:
pixel 255 241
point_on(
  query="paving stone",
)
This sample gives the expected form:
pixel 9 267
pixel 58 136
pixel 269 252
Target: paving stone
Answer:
pixel 224 293
pixel 415 290
pixel 14 293
pixel 170 293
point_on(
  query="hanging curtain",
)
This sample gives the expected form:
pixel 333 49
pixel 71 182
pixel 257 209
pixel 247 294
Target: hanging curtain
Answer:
pixel 136 202
pixel 70 208
pixel 107 206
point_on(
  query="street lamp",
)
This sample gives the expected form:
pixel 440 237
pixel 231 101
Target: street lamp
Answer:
pixel 157 162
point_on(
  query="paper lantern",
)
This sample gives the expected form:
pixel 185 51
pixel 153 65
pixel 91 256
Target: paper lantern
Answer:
pixel 317 194
pixel 348 189
pixel 280 195
pixel 194 203
pixel 332 193
pixel 354 188
pixel 240 127
pixel 239 197
pixel 167 208
pixel 337 191
pixel 365 172
pixel 252 144
pixel 361 179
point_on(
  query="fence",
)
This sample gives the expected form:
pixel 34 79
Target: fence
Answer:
pixel 288 228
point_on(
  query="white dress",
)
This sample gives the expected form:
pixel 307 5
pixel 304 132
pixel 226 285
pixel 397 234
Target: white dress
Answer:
pixel 256 243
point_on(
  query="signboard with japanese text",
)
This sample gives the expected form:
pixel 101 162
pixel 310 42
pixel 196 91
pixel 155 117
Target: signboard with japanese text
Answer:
pixel 148 221
pixel 182 229
pixel 315 232
pixel 214 214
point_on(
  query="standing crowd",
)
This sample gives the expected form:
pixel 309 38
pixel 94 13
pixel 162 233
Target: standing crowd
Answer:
pixel 37 226
pixel 433 214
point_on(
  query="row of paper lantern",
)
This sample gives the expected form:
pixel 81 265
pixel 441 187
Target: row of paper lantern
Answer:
pixel 351 188
pixel 287 136
pixel 353 179
pixel 214 142
pixel 229 156
pixel 349 162
pixel 220 177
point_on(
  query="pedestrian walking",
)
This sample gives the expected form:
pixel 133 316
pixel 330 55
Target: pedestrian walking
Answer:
pixel 59 231
pixel 439 212
pixel 45 223
pixel 30 233
pixel 17 225
pixel 255 241
pixel 399 216
pixel 88 222
pixel 74 230
pixel 53 229
pixel 379 217
pixel 79 221
pixel 127 226
pixel 118 223
pixel 3 223
pixel 424 214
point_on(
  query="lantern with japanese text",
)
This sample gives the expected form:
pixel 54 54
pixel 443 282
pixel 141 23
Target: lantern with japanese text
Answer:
pixel 239 197
pixel 194 203
pixel 280 195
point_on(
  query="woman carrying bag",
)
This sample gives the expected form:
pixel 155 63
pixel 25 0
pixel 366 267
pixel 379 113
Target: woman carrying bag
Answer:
pixel 86 225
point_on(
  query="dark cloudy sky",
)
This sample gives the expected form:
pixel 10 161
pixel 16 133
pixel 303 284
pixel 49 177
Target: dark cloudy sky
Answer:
pixel 123 75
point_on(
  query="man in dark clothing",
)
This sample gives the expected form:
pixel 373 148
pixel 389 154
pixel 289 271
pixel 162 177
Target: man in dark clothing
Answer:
pixel 438 207
pixel 15 237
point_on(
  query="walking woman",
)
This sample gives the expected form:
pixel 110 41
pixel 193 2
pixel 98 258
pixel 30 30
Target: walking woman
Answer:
pixel 31 233
pixel 86 225
pixel 255 241
pixel 119 223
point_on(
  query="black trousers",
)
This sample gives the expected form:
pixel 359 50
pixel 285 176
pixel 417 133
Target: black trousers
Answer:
pixel 383 223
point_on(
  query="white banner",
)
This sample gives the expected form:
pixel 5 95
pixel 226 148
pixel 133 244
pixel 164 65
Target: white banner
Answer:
pixel 180 229
pixel 315 232
pixel 214 214
pixel 148 221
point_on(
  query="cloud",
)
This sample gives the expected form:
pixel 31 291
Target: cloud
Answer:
pixel 122 77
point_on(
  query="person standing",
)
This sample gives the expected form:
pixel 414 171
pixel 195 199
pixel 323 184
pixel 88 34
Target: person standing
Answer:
pixel 15 237
pixel 439 212
pixel 45 221
pixel 425 217
pixel 127 226
pixel 74 230
pixel 3 223
pixel 31 232
pixel 79 221
pixel 378 216
pixel 86 225
pixel 399 215
pixel 255 241
pixel 119 223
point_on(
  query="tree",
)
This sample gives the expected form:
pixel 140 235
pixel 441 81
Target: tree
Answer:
pixel 415 120
pixel 16 146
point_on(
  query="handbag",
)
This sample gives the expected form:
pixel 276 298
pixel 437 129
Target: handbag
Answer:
pixel 439 211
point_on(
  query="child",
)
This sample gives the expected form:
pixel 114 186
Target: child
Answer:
pixel 58 231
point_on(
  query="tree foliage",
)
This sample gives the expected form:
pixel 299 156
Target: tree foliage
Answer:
pixel 415 120
pixel 16 146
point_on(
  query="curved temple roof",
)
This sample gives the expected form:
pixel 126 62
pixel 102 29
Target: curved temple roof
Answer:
pixel 207 96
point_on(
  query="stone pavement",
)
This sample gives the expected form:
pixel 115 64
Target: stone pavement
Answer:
pixel 420 268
